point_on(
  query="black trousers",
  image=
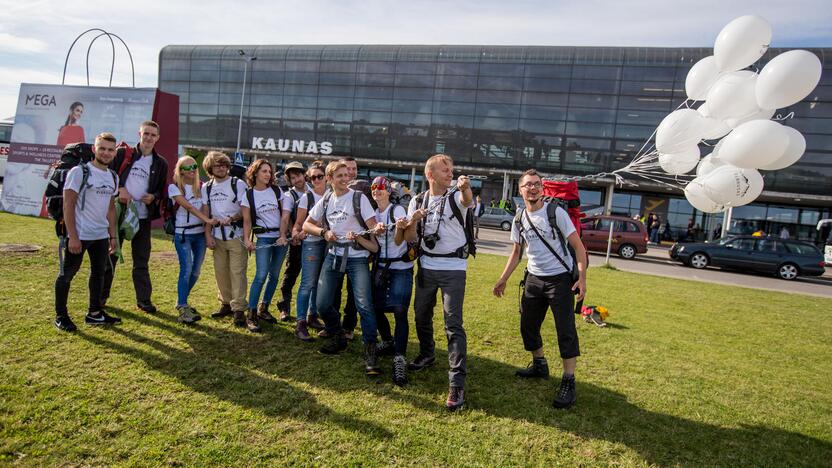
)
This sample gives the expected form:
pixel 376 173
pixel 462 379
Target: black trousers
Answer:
pixel 540 294
pixel 140 251
pixel 290 276
pixel 97 250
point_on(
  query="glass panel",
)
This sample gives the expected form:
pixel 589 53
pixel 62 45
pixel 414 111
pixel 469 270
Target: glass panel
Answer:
pixel 541 112
pixel 376 67
pixel 546 85
pixel 412 106
pixel 457 68
pixel 634 132
pixel 413 93
pixel 549 71
pixel 373 104
pixel 584 72
pixel 484 109
pixel 649 73
pixel 542 126
pixel 336 91
pixel 372 117
pixel 453 108
pixel 415 80
pixel 491 69
pixel 577 143
pixel 410 118
pixel 545 99
pixel 377 92
pixel 493 123
pixel 377 79
pixel 335 103
pixel 451 81
pixel 589 129
pixel 588 100
pixel 645 103
pixel 300 90
pixel 453 120
pixel 591 115
pixel 503 97
pixel 462 95
pixel 336 115
pixel 500 82
pixel 594 86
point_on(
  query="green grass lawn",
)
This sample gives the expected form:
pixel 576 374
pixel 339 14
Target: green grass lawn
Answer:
pixel 687 373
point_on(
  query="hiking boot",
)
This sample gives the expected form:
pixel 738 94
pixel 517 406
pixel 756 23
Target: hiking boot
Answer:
pixel 63 322
pixel 565 396
pixel 302 332
pixel 147 307
pixel 315 323
pixel 385 348
pixel 371 360
pixel 538 368
pixel 264 315
pixel 100 318
pixel 421 362
pixel 239 318
pixel 335 345
pixel 187 315
pixel 251 321
pixel 223 311
pixel 456 398
pixel 400 370
pixel 285 316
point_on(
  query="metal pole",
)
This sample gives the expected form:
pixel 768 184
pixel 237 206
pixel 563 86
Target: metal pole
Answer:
pixel 412 178
pixel 608 198
pixel 609 242
pixel 726 220
pixel 242 102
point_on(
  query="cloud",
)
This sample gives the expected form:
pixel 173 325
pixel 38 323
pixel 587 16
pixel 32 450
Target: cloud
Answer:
pixel 16 44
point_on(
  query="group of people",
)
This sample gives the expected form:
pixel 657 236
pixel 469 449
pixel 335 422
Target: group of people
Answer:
pixel 325 231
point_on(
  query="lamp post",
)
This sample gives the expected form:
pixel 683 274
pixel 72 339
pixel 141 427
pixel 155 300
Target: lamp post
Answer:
pixel 248 60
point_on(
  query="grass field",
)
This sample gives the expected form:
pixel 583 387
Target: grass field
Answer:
pixel 686 374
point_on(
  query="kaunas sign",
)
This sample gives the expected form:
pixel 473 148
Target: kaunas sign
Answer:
pixel 292 146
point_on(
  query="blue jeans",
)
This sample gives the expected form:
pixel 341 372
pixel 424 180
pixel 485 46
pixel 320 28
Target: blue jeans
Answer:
pixel 358 271
pixel 269 261
pixel 312 257
pixel 654 235
pixel 190 248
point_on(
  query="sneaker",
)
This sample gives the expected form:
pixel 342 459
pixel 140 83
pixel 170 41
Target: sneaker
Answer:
pixel 240 318
pixel 223 311
pixel 285 316
pixel 385 348
pixel 147 307
pixel 302 332
pixel 251 321
pixel 538 368
pixel 264 315
pixel 421 362
pixel 63 322
pixel 315 323
pixel 101 318
pixel 400 370
pixel 456 398
pixel 371 360
pixel 187 315
pixel 565 396
pixel 335 345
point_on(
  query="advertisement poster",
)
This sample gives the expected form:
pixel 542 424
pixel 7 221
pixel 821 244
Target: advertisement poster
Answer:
pixel 51 116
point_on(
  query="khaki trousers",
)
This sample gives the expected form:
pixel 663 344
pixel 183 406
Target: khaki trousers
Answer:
pixel 230 263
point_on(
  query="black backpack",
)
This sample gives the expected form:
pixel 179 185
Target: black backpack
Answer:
pixel 466 221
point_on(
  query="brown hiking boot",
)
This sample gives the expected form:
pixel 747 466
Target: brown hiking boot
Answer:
pixel 264 315
pixel 251 321
pixel 315 323
pixel 239 318
pixel 302 331
pixel 223 311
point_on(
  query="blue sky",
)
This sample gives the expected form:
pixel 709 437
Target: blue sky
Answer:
pixel 35 34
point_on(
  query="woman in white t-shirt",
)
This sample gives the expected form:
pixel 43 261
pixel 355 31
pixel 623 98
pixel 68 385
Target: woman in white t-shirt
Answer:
pixel 392 278
pixel 189 233
pixel 313 251
pixel 265 213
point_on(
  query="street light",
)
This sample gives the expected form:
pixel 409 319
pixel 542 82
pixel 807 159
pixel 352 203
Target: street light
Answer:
pixel 248 60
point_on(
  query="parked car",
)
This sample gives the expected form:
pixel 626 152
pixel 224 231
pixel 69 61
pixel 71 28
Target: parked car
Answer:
pixel 496 217
pixel 629 236
pixel 787 259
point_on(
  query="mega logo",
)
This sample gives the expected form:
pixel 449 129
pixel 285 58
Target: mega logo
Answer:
pixel 42 100
pixel 293 146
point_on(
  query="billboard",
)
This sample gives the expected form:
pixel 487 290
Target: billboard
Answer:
pixel 51 116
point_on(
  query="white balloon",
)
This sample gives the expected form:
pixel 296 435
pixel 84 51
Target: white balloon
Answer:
pixel 762 114
pixel 728 185
pixel 712 129
pixel 695 194
pixel 732 96
pixel 701 76
pixel 754 144
pixel 755 187
pixel 787 79
pixel 679 130
pixel 681 162
pixel 793 152
pixel 742 42
pixel 708 164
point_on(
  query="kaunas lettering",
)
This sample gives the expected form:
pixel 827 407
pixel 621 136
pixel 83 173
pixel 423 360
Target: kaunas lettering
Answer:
pixel 294 146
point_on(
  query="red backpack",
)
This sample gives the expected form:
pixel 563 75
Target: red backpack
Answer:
pixel 567 197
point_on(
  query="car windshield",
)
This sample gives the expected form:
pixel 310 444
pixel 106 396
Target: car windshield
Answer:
pixel 725 240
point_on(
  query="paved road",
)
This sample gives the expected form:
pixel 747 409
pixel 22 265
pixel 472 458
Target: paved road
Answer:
pixel 656 262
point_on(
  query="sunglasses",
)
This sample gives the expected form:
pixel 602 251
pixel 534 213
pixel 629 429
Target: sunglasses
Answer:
pixel 192 167
pixel 378 187
pixel 317 177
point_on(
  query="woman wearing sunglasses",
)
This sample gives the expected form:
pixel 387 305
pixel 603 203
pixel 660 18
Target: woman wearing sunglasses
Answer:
pixel 313 251
pixel 392 278
pixel 189 233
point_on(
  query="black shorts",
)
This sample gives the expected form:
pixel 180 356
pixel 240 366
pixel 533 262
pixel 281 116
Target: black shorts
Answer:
pixel 541 293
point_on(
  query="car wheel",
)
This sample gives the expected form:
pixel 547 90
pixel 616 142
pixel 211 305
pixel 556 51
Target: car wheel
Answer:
pixel 699 260
pixel 505 226
pixel 627 251
pixel 788 271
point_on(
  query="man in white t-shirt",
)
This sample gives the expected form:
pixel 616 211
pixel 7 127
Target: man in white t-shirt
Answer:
pixel 440 229
pixel 221 201
pixel 90 223
pixel 549 282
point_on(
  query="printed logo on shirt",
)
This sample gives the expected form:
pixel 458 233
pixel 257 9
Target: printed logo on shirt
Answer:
pixel 139 172
pixel 219 197
pixel 267 208
pixel 337 216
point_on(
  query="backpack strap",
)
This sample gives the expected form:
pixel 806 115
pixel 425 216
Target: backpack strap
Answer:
pixel 127 162
pixel 356 208
pixel 324 221
pixel 251 207
pixel 208 186
pixel 234 188
pixel 518 221
pixel 85 177
pixel 310 200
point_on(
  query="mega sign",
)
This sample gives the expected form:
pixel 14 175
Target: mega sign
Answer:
pixel 293 146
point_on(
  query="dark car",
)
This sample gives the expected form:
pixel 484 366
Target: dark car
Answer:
pixel 787 259
pixel 629 236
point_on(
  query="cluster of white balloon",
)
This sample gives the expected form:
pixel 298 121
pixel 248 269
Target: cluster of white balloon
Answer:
pixel 738 103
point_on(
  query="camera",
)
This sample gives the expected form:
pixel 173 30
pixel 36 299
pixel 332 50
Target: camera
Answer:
pixel 431 240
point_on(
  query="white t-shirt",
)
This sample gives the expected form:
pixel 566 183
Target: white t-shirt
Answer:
pixel 183 216
pixel 137 182
pixel 268 215
pixel 541 261
pixel 91 221
pixel 303 202
pixel 341 217
pixel 388 239
pixel 223 205
pixel 451 233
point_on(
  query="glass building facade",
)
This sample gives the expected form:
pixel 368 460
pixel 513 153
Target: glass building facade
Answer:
pixel 563 110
